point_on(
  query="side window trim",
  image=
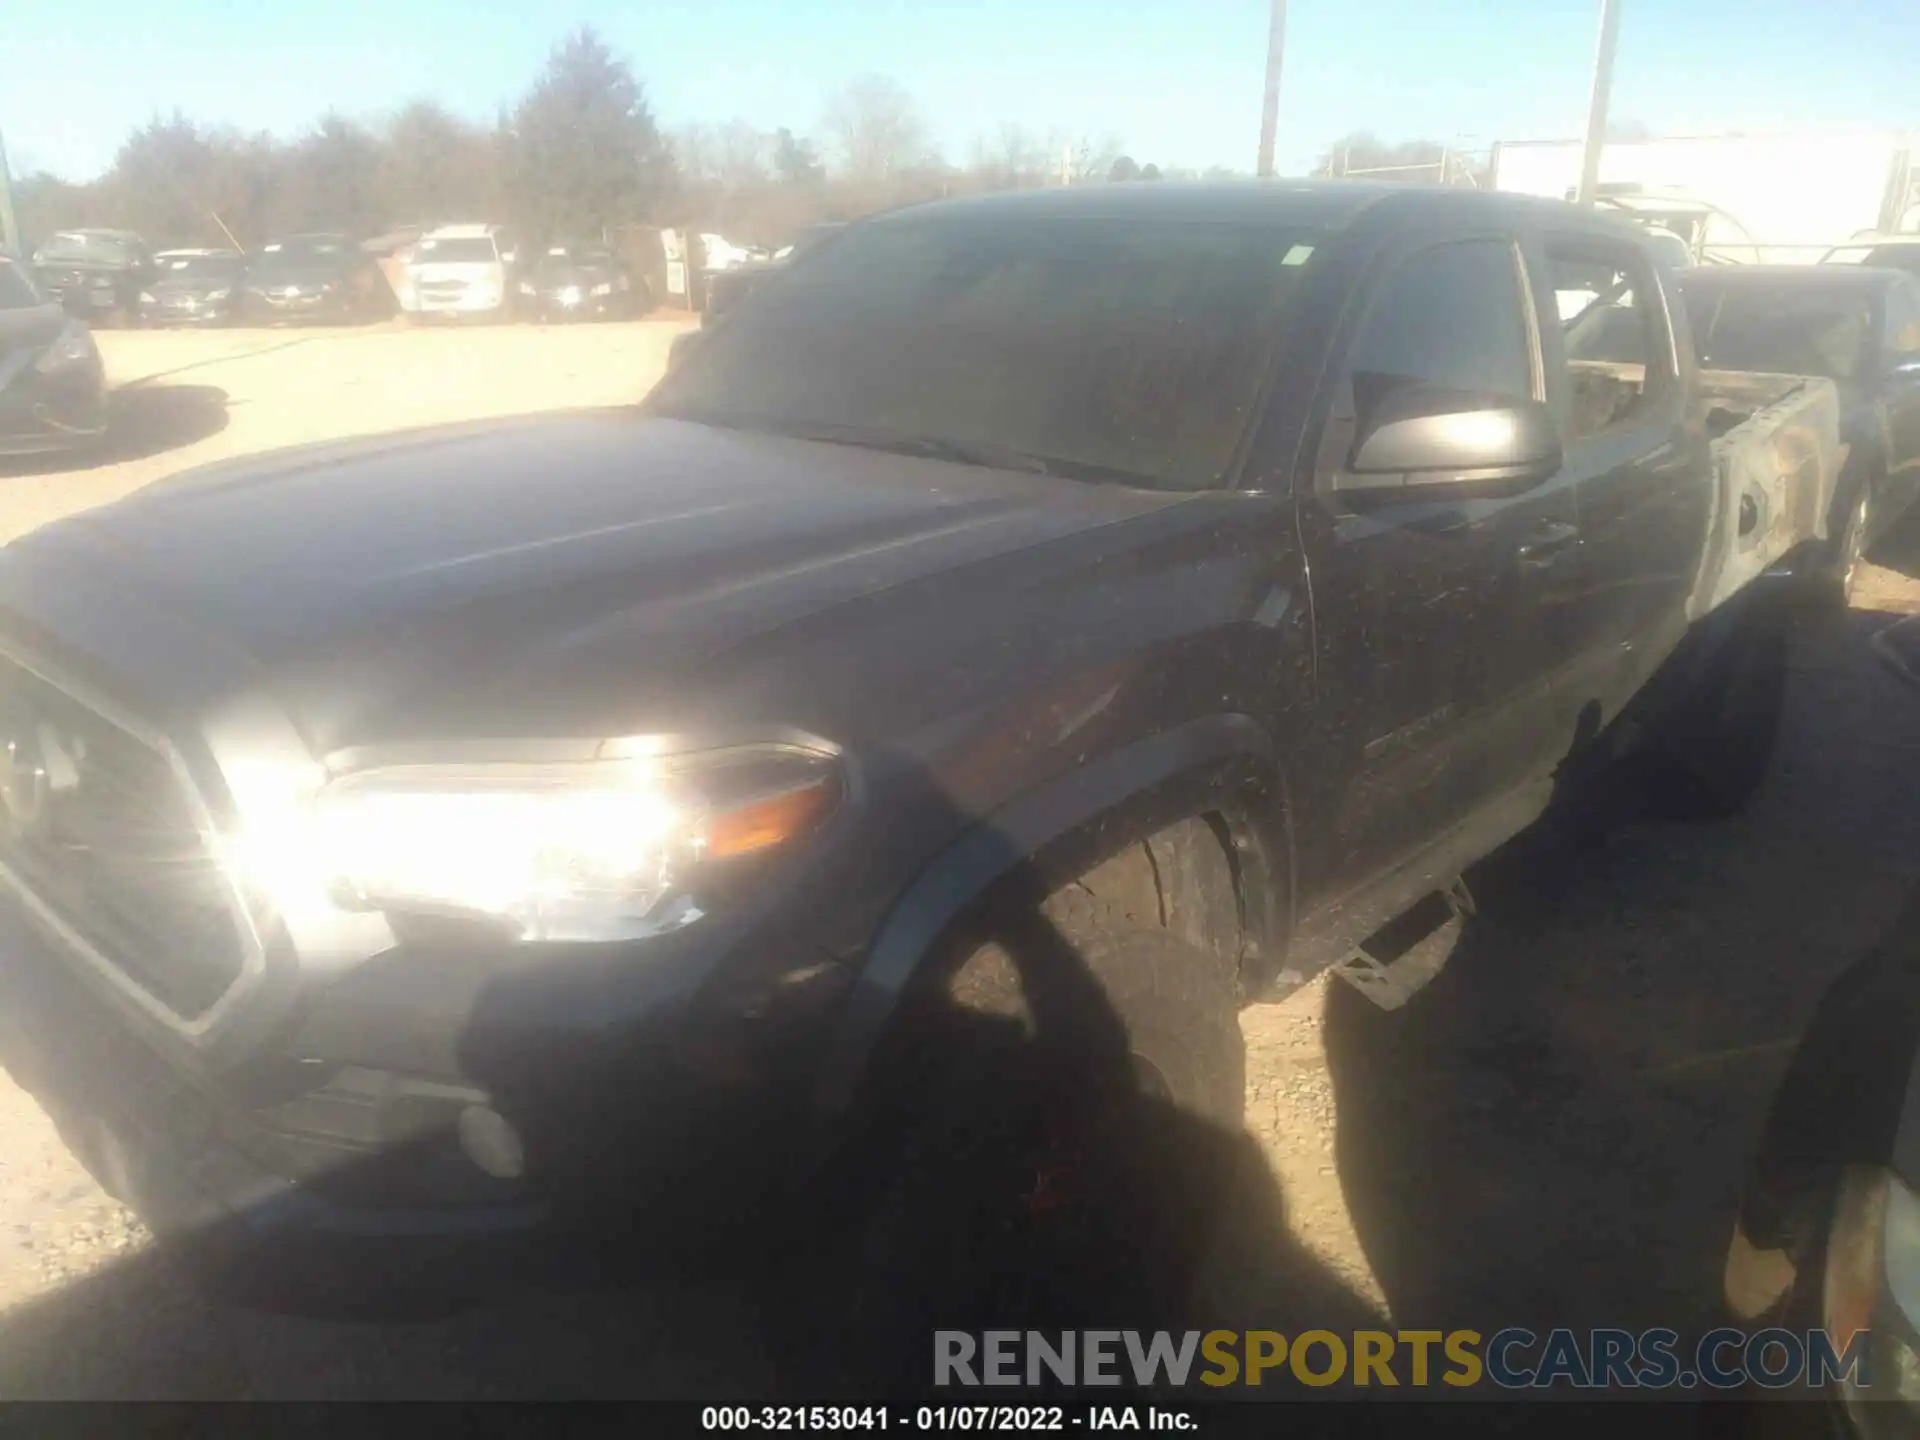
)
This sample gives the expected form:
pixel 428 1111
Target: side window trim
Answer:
pixel 1530 317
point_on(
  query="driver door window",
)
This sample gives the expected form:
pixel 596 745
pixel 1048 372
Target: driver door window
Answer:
pixel 1436 637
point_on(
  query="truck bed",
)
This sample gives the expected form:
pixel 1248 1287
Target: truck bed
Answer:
pixel 1777 455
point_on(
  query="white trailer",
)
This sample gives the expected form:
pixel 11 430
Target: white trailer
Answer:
pixel 1780 199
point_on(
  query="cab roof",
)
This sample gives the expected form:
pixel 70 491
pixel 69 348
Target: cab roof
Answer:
pixel 1315 204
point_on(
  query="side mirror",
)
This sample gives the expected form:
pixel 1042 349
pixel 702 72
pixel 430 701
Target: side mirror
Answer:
pixel 1897 648
pixel 1905 370
pixel 1427 443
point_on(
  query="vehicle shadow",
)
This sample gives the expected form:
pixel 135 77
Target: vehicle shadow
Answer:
pixel 142 421
pixel 1557 1132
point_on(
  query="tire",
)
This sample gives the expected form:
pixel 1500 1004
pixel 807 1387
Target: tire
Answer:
pixel 1016 1179
pixel 1849 550
pixel 1713 752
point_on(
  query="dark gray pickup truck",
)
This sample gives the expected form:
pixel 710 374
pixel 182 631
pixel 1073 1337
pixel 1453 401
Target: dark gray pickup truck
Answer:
pixel 435 843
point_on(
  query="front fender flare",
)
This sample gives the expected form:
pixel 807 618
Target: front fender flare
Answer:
pixel 1189 761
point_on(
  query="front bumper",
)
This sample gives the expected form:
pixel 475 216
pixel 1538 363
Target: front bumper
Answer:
pixel 44 413
pixel 165 311
pixel 648 1121
pixel 86 302
pixel 551 305
pixel 265 307
pixel 470 304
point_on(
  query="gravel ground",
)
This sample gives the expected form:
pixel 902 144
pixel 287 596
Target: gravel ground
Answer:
pixel 1555 1130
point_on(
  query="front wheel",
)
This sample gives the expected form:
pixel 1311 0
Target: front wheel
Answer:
pixel 1851 548
pixel 1059 1142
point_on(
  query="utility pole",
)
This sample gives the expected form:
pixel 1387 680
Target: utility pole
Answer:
pixel 1270 104
pixel 9 230
pixel 1597 102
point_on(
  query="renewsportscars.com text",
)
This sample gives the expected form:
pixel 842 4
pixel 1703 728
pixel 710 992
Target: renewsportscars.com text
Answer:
pixel 1510 1359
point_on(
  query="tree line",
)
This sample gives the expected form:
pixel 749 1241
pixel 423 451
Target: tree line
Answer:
pixel 579 155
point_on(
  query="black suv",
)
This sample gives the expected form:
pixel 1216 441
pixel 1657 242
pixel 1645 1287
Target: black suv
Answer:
pixel 95 275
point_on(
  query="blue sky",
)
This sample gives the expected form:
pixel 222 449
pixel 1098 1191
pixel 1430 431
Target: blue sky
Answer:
pixel 1178 80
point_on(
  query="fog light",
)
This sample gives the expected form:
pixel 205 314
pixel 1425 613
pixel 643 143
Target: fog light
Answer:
pixel 492 1143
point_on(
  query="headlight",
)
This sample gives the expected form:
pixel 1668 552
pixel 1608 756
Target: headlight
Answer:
pixel 220 294
pixel 603 288
pixel 569 294
pixel 73 346
pixel 579 850
pixel 146 298
pixel 526 288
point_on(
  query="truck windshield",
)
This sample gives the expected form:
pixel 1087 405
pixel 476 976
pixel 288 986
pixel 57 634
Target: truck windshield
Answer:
pixel 1133 353
pixel 457 250
pixel 198 267
pixel 300 254
pixel 86 249
pixel 1821 333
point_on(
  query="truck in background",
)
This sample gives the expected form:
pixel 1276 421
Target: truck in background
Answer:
pixel 1750 199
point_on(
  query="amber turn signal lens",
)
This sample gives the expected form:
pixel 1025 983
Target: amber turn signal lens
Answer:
pixel 772 820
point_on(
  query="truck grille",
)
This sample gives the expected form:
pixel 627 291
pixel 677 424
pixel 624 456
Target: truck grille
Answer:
pixel 97 824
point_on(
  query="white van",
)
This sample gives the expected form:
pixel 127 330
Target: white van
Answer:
pixel 461 270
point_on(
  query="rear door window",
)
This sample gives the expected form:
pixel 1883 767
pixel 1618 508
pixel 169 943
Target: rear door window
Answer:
pixel 1618 345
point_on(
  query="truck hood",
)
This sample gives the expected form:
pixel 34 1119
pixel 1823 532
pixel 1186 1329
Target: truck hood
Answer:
pixel 368 582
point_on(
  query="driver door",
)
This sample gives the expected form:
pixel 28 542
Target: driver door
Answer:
pixel 1435 618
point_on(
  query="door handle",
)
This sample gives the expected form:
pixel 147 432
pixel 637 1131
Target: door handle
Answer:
pixel 1549 541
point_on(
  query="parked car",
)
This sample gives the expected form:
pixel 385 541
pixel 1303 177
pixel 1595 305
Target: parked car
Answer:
pixel 727 288
pixel 1858 326
pixel 194 287
pixel 463 271
pixel 573 282
pixel 319 276
pixel 96 275
pixel 597 819
pixel 52 384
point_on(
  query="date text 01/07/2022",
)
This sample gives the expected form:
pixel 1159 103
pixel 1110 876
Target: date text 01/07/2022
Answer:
pixel 987 1418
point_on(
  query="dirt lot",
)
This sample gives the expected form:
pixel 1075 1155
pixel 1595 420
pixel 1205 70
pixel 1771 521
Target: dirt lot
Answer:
pixel 1555 1131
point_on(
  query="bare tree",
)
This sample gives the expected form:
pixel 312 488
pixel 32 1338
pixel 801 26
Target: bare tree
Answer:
pixel 1077 159
pixel 742 153
pixel 876 130
pixel 1363 155
pixel 437 167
